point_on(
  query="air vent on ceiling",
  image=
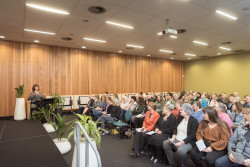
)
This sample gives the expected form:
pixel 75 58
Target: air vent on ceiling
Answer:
pixel 181 31
pixel 246 8
pixel 128 47
pixel 226 43
pixel 239 50
pixel 97 9
pixel 66 38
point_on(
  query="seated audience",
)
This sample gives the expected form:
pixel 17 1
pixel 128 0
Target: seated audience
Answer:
pixel 247 102
pixel 153 97
pixel 236 96
pixel 159 104
pixel 221 111
pixel 163 130
pixel 183 139
pixel 106 104
pixel 198 114
pixel 215 133
pixel 124 105
pixel 89 111
pixel 236 114
pixel 224 98
pixel 112 116
pixel 238 143
pixel 203 100
pixel 198 96
pixel 132 104
pixel 176 111
pixel 151 118
pixel 230 103
pixel 89 105
pixel 213 100
pixel 169 99
pixel 138 109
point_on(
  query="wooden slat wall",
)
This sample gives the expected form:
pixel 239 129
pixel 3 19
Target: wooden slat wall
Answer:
pixel 71 71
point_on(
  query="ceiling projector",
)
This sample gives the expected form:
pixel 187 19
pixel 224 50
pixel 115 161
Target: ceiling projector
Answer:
pixel 167 30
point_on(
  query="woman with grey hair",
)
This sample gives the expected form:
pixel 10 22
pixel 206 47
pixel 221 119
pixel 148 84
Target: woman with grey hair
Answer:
pixel 183 138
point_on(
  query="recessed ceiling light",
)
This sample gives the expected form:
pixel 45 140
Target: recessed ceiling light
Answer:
pixel 83 47
pixel 171 58
pixel 189 54
pixel 120 25
pixel 36 41
pixel 227 15
pixel 42 32
pixel 218 53
pixel 135 46
pixel 189 58
pixel 95 40
pixel 120 51
pixel 148 54
pixel 159 33
pixel 201 43
pixel 172 36
pixel 47 9
pixel 2 37
pixel 224 48
pixel 167 51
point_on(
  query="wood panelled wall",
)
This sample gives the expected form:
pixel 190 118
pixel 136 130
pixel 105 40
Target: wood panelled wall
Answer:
pixel 69 71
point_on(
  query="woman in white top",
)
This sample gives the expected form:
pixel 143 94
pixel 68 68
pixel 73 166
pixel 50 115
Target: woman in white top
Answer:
pixel 124 106
pixel 213 100
pixel 183 139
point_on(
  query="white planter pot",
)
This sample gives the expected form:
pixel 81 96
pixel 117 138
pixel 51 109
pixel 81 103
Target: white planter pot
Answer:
pixel 48 127
pixel 20 113
pixel 92 156
pixel 63 146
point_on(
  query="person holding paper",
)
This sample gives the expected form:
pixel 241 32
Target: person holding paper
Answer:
pixel 151 118
pixel 163 130
pixel 183 138
pixel 215 133
pixel 238 146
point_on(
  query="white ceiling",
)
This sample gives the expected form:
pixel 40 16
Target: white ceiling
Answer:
pixel 147 17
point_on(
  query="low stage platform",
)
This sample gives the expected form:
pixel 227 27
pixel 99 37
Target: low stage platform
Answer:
pixel 27 144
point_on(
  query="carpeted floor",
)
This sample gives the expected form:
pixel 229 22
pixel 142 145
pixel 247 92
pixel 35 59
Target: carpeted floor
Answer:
pixel 114 152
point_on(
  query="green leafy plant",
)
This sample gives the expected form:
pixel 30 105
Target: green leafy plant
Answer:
pixel 20 91
pixel 58 101
pixel 89 126
pixel 45 113
pixel 60 126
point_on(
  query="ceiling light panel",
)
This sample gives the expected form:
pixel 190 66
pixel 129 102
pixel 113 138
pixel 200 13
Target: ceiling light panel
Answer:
pixel 47 9
pixel 226 15
pixel 95 40
pixel 41 32
pixel 119 25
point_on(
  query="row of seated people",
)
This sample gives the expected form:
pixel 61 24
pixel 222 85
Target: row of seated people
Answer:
pixel 182 133
pixel 142 104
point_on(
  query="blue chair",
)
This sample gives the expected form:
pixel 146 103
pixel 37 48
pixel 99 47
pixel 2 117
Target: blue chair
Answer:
pixel 128 116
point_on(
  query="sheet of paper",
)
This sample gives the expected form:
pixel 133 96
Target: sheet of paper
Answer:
pixel 150 133
pixel 138 116
pixel 138 129
pixel 201 145
pixel 239 158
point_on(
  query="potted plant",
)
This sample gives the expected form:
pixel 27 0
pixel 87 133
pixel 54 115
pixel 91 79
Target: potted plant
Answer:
pixel 20 113
pixel 93 132
pixel 46 113
pixel 62 144
pixel 58 103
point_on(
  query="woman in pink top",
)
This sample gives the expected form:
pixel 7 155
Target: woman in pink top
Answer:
pixel 221 110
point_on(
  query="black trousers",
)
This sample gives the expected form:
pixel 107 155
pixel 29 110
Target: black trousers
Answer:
pixel 210 157
pixel 140 141
pixel 139 122
pixel 156 151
